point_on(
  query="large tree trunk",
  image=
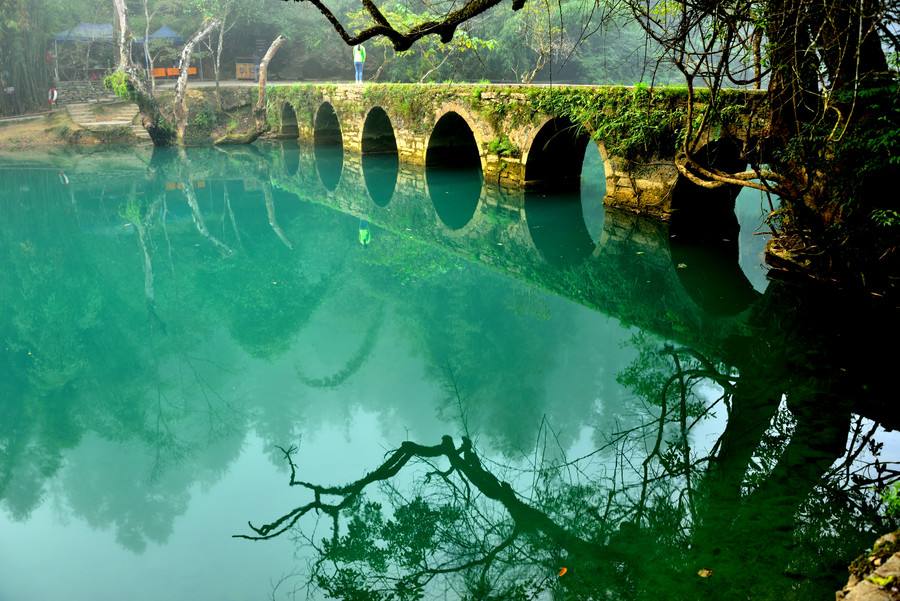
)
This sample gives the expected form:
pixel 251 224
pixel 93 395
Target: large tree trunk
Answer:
pixel 793 86
pixel 181 111
pixel 850 45
pixel 829 73
pixel 123 34
pixel 218 63
pixel 139 89
pixel 147 55
pixel 259 111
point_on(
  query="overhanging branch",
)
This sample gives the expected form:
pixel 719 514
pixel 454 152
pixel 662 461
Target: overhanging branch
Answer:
pixel 444 28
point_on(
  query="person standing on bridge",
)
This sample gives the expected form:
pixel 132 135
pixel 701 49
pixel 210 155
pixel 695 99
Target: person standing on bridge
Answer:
pixel 359 58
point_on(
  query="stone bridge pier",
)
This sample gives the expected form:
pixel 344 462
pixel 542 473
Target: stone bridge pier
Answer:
pixel 517 136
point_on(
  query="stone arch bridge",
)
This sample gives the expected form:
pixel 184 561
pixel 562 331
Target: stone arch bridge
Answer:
pixel 521 136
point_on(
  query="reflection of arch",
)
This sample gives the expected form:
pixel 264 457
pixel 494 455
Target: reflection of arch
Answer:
pixel 453 170
pixel 594 171
pixel 559 221
pixel 704 236
pixel 329 146
pixel 556 155
pixel 380 173
pixel 291 158
pixel 556 225
pixel 711 275
pixel 289 128
pixel 380 160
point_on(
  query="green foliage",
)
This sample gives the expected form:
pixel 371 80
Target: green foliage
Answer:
pixel 890 496
pixel 886 218
pixel 639 122
pixel 377 547
pixel 854 220
pixel 871 146
pixel 131 212
pixel 503 147
pixel 429 56
pixel 117 83
pixel 167 128
pixel 205 117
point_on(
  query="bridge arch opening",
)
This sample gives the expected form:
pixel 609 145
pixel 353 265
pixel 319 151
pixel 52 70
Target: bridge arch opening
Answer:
pixel 289 127
pixel 555 156
pixel 380 160
pixel 566 224
pixel 453 170
pixel 328 146
pixel 327 127
pixel 703 236
pixel 751 208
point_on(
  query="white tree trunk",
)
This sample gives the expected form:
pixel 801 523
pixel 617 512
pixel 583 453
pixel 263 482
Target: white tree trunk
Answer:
pixel 263 77
pixel 259 111
pixel 123 34
pixel 218 63
pixel 270 213
pixel 181 113
pixel 149 57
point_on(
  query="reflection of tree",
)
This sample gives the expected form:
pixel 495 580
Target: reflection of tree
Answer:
pixel 270 213
pixel 356 361
pixel 478 327
pixel 85 373
pixel 86 369
pixel 190 195
pixel 90 385
pixel 758 511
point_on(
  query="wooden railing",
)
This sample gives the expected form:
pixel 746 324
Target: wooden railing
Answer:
pixel 162 72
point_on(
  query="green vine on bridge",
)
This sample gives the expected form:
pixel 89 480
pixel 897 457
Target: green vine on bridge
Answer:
pixel 638 122
pixel 634 123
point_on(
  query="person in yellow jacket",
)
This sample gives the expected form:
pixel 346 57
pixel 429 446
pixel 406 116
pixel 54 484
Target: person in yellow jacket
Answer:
pixel 359 58
pixel 365 236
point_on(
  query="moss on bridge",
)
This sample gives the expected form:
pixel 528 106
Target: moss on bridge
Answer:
pixel 634 122
pixel 638 129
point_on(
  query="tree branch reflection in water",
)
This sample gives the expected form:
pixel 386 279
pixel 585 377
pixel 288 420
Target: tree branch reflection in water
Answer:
pixel 767 511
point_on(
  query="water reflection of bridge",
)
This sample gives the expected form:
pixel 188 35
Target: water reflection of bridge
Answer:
pixel 634 272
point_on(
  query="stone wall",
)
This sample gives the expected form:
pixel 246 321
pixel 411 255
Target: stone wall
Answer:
pixel 635 129
pixel 74 92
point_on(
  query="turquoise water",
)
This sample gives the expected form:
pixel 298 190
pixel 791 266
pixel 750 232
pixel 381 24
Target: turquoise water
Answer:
pixel 171 320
